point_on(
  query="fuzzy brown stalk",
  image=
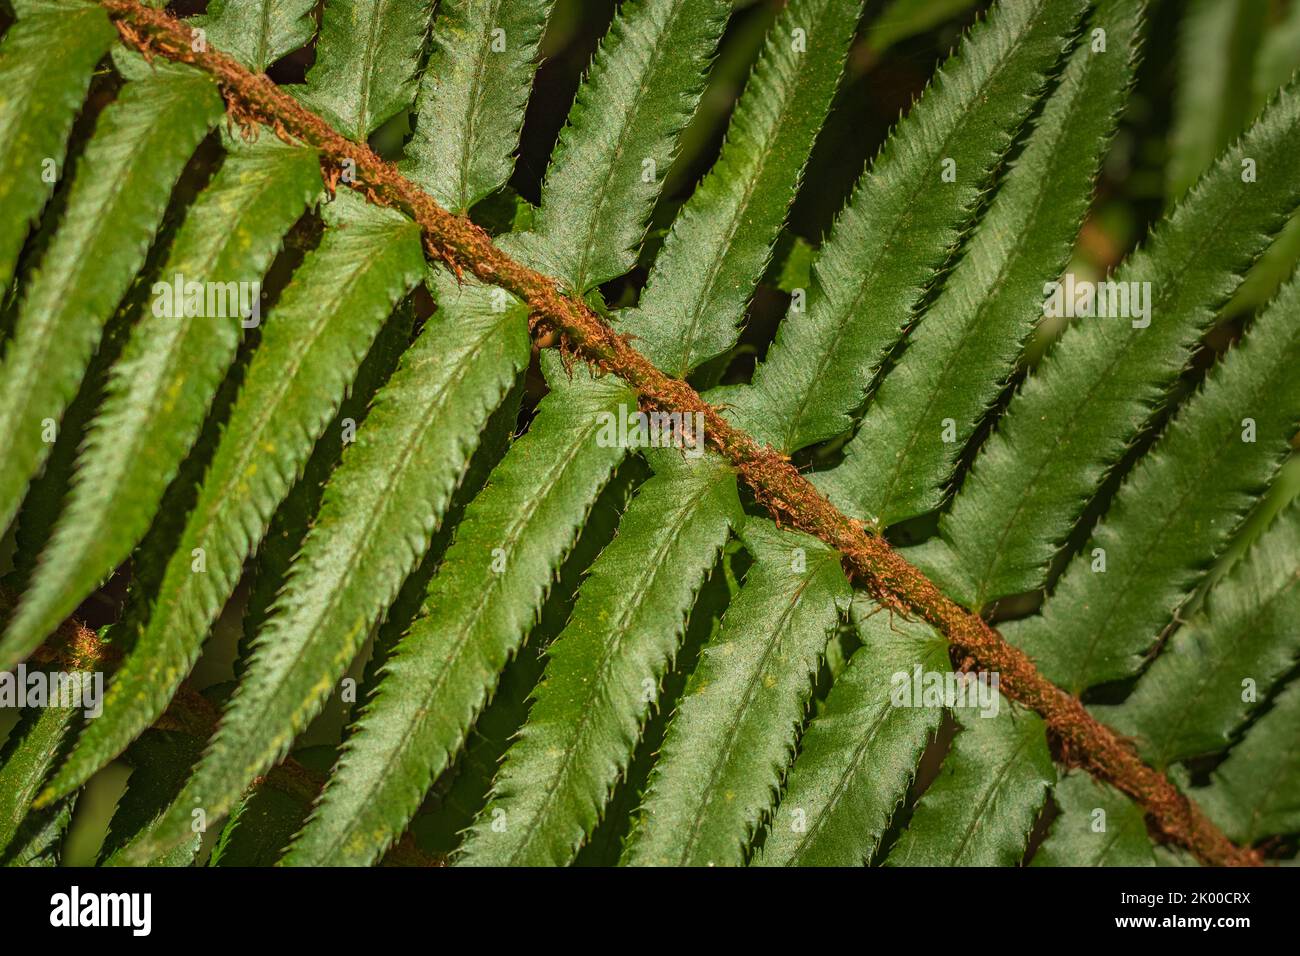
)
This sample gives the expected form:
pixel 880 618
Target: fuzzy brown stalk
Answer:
pixel 1082 740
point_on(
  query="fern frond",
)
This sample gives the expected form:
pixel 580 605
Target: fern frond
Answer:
pixel 727 746
pixel 1091 395
pixel 140 145
pixel 1279 54
pixel 294 514
pixel 652 677
pixel 626 96
pixel 1175 513
pixel 258 32
pixel 1216 63
pixel 859 755
pixel 470 107
pixel 40 842
pixel 478 607
pixel 721 241
pixel 1098 826
pixel 393 485
pixel 961 353
pixel 46 60
pixel 1231 654
pixel 611 158
pixel 901 19
pixel 313 343
pixel 603 671
pixel 367 57
pixel 1256 792
pixel 160 761
pixel 30 751
pixel 993 783
pixel 162 386
pixel 901 224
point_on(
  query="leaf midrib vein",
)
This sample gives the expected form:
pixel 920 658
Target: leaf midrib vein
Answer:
pixel 469 621
pixel 649 570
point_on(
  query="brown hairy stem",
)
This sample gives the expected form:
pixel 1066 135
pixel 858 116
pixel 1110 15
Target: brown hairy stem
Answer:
pixel 1081 739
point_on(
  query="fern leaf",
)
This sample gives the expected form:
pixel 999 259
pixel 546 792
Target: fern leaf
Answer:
pixel 310 350
pixel 43 502
pixel 1232 653
pixel 1090 396
pixel 265 820
pixel 470 107
pixel 30 752
pixel 631 82
pixel 46 60
pixel 603 671
pixel 734 731
pixel 990 790
pixel 901 224
pixel 641 90
pixel 161 388
pixel 393 485
pixel 859 755
pixel 160 761
pixel 293 517
pixel 960 355
pixel 258 829
pixel 470 784
pixel 1098 826
pixel 478 607
pixel 1176 512
pixel 1256 792
pixel 258 32
pixel 902 19
pixel 721 241
pixel 123 181
pixel 1279 55
pixel 1216 60
pixel 367 57
pixel 40 841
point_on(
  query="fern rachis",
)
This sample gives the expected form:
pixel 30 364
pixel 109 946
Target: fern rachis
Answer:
pixel 1016 89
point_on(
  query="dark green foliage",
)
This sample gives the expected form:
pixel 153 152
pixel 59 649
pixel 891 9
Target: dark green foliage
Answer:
pixel 488 621
pixel 1058 439
pixel 1098 826
pixel 959 357
pixel 366 60
pixel 709 790
pixel 471 102
pixel 893 235
pixel 140 145
pixel 169 372
pixel 46 67
pixel 1176 512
